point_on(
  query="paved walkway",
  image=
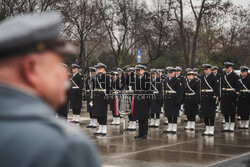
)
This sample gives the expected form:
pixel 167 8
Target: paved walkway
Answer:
pixel 184 149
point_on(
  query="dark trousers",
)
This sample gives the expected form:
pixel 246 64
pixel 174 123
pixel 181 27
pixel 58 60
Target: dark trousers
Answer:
pixel 131 118
pixel 209 121
pixel 102 120
pixel 63 115
pixel 76 111
pixel 190 118
pixel 113 113
pixel 229 118
pixel 143 127
pixel 91 116
pixel 156 114
pixel 244 117
pixel 172 120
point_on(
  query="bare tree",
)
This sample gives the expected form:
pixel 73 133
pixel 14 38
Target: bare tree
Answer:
pixel 83 25
pixel 158 30
pixel 120 19
pixel 13 7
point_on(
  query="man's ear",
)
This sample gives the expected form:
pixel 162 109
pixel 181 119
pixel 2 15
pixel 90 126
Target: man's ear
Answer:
pixel 29 70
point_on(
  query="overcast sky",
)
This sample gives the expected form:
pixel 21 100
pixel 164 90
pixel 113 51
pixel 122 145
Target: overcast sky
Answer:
pixel 244 3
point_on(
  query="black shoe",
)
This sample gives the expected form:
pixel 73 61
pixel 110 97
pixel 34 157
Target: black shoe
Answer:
pixel 173 132
pixel 241 127
pixel 137 137
pixel 224 130
pixel 156 126
pixel 203 134
pixel 151 126
pixel 144 136
pixel 93 126
pixel 231 131
pixel 97 133
pixel 165 123
pixel 192 129
pixel 89 126
pixel 165 131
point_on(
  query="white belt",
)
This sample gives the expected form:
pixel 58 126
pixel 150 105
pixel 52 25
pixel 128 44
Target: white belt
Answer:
pixel 245 91
pixel 100 90
pixel 189 94
pixel 228 89
pixel 170 91
pixel 206 90
pixel 75 87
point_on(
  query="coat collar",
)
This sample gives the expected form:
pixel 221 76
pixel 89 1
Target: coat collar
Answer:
pixel 15 103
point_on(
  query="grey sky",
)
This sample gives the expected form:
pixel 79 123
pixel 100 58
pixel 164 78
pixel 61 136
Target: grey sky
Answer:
pixel 244 3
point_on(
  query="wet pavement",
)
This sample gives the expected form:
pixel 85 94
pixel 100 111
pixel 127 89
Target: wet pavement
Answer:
pixel 184 149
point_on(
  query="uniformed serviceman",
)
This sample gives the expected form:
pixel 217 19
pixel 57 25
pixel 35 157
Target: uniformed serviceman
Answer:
pixel 64 109
pixel 89 93
pixel 215 70
pixel 162 78
pixel 130 87
pixel 188 70
pixel 243 107
pixel 196 71
pixel 32 86
pixel 76 93
pixel 156 99
pixel 121 78
pixel 173 97
pixel 141 100
pixel 100 100
pixel 229 91
pixel 191 99
pixel 209 95
pixel 180 76
pixel 115 90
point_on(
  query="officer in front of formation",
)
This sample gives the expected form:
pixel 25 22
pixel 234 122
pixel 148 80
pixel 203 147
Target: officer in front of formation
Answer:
pixel 100 100
pixel 243 106
pixel 229 92
pixel 209 95
pixel 76 93
pixel 173 97
pixel 89 94
pixel 191 99
pixel 141 100
pixel 156 99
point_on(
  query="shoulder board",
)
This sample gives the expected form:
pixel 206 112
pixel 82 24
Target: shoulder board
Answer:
pixel 178 78
pixel 108 75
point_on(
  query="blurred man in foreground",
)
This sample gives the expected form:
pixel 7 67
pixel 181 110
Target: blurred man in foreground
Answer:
pixel 32 86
